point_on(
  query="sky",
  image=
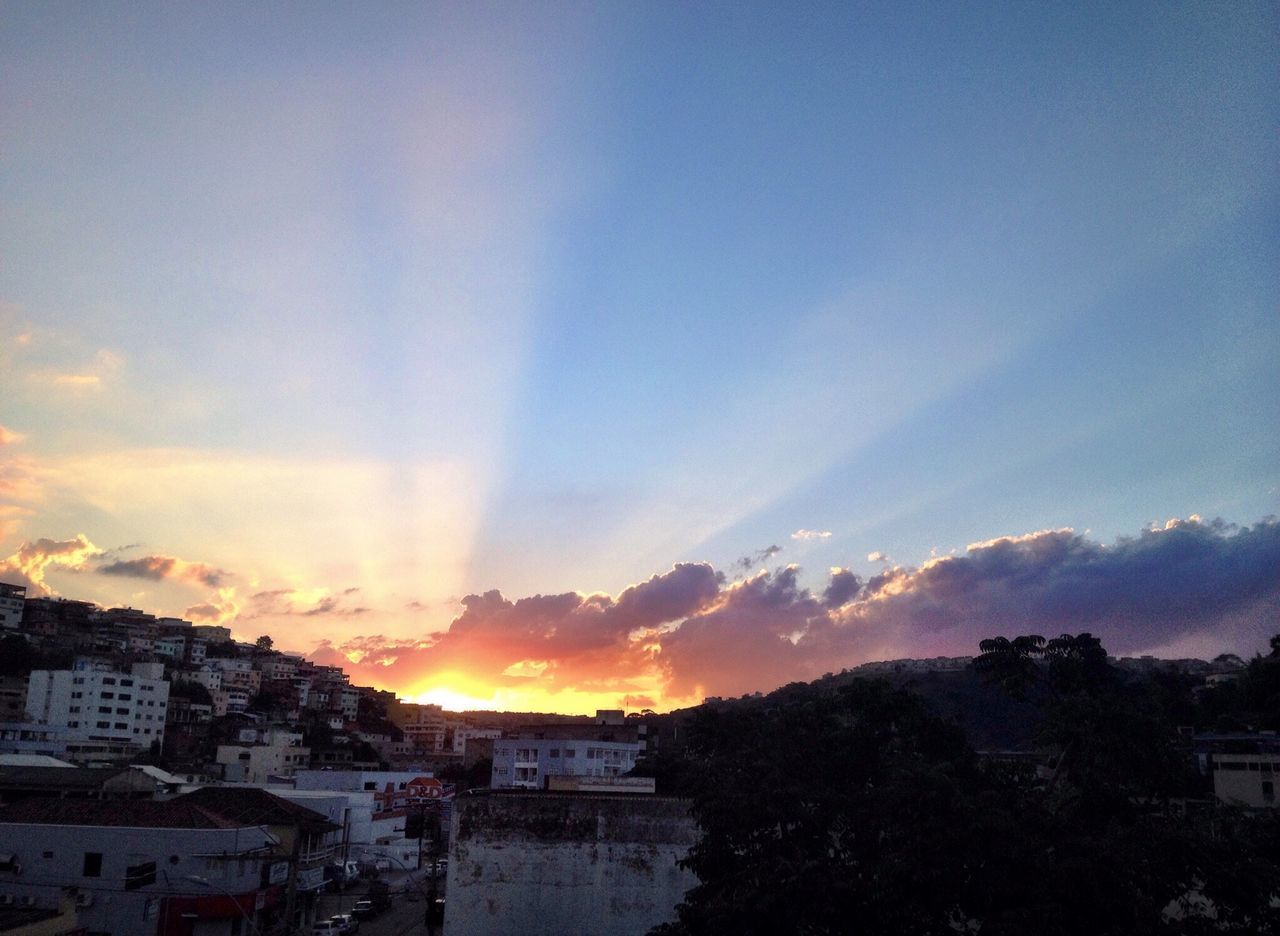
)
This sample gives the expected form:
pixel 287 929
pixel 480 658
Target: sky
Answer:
pixel 562 356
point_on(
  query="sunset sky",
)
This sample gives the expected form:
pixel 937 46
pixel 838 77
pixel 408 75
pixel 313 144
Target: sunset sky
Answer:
pixel 559 356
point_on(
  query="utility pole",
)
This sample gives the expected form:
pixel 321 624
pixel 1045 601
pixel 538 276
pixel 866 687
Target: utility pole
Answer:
pixel 433 891
pixel 291 889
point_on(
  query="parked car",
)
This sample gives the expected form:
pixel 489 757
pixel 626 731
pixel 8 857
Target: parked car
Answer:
pixel 364 909
pixel 325 928
pixel 346 923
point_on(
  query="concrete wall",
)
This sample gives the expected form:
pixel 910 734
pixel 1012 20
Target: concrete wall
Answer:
pixel 547 863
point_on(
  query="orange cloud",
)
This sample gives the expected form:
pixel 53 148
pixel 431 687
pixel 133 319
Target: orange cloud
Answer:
pixel 28 565
pixel 155 568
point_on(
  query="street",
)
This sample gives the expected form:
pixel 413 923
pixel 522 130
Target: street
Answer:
pixel 405 916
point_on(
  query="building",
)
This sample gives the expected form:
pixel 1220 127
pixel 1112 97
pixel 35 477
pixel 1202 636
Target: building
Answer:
pixel 424 726
pixel 276 753
pixel 462 735
pixel 106 714
pixel 13 698
pixel 213 633
pixel 13 600
pixel 26 737
pixel 526 763
pixel 218 862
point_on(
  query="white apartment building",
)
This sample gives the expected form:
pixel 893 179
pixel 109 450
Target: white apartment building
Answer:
pixel 93 705
pixel 207 676
pixel 280 754
pixel 526 763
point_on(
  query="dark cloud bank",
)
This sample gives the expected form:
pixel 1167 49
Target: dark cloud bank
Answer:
pixel 1190 586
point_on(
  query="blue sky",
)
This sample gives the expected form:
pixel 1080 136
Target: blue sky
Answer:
pixel 426 301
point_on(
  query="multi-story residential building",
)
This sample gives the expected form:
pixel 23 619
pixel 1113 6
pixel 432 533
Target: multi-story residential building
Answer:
pixel 423 725
pixel 171 646
pixel 13 599
pixel 238 674
pixel 208 676
pixel 13 698
pixel 346 701
pixel 119 710
pixel 228 701
pixel 464 734
pixel 213 633
pixel 280 666
pixel 526 763
pixel 278 753
pixel 70 621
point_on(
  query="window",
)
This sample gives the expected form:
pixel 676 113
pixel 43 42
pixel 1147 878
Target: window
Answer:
pixel 73 724
pixel 125 697
pixel 75 708
pixel 108 695
pixel 370 785
pixel 1269 791
pixel 555 752
pixel 77 695
pixel 92 864
pixel 104 724
pixel 126 682
pixel 570 752
pixel 108 680
pixel 122 725
pixel 104 710
pixel 78 681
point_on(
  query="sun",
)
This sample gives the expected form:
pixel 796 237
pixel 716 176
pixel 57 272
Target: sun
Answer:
pixel 453 701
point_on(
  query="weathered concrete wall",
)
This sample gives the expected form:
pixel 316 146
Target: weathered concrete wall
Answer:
pixel 549 863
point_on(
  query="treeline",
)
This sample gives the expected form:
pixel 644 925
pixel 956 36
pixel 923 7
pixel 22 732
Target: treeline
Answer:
pixel 858 808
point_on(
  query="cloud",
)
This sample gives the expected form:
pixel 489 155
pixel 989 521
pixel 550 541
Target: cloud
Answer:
pixel 301 602
pixel 684 633
pixel 753 560
pixel 157 568
pixel 1209 582
pixel 877 556
pixel 560 642
pixel 28 565
pixel 631 701
pixel 843 587
pixel 811 534
pixel 9 437
pixel 106 364
pixel 221 608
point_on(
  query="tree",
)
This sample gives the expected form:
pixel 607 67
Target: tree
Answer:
pixel 822 808
pixel 858 810
pixel 264 642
